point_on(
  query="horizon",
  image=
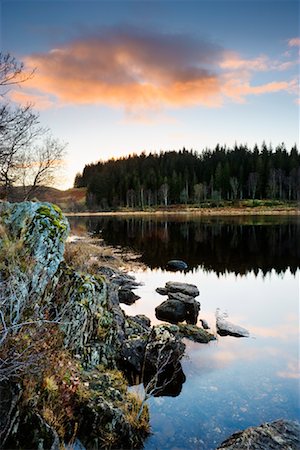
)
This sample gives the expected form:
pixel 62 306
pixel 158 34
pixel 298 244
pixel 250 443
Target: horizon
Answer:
pixel 111 83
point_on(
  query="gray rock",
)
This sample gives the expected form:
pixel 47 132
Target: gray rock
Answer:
pixel 225 328
pixel 184 288
pixel 162 291
pixel 277 435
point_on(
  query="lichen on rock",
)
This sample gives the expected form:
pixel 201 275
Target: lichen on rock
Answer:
pixel 67 329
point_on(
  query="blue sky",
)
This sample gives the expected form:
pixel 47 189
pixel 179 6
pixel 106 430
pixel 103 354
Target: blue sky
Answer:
pixel 117 77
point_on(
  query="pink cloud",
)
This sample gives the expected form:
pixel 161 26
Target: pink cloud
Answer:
pixel 294 42
pixel 141 70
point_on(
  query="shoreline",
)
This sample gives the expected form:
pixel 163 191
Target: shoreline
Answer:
pixel 195 212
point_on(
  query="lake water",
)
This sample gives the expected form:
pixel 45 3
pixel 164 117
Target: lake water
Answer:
pixel 248 267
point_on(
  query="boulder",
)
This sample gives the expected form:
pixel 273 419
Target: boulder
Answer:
pixel 225 328
pixel 184 288
pixel 277 435
pixel 172 311
pixel 177 308
pixel 127 296
pixel 176 264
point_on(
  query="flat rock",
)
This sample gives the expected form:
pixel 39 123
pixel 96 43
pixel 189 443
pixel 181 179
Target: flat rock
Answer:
pixel 225 328
pixel 277 435
pixel 195 333
pixel 184 288
pixel 182 297
pixel 162 291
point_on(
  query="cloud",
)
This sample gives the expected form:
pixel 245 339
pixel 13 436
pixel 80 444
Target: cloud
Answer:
pixel 294 42
pixel 129 66
pixel 143 70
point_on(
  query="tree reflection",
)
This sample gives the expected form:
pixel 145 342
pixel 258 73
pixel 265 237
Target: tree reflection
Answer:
pixel 236 244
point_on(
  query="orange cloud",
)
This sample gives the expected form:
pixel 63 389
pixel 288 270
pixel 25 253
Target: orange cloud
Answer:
pixel 40 101
pixel 141 70
pixel 129 67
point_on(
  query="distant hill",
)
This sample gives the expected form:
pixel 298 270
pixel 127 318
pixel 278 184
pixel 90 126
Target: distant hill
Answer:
pixel 71 200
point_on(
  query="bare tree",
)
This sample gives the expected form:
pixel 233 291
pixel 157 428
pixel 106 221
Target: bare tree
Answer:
pixel 19 128
pixel 29 156
pixel 12 72
pixel 39 167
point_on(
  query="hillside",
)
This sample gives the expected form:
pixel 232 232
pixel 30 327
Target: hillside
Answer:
pixel 70 200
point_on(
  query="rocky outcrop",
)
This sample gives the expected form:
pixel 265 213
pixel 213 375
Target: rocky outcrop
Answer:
pixel 72 329
pixel 36 234
pixel 277 435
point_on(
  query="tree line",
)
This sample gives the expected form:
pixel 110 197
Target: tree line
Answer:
pixel 189 177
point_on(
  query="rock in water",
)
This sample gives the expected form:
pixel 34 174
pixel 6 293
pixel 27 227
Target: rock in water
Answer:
pixel 177 264
pixel 172 311
pixel 184 288
pixel 277 435
pixel 225 328
pixel 127 296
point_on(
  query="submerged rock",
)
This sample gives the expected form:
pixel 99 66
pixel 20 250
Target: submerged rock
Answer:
pixel 177 264
pixel 277 435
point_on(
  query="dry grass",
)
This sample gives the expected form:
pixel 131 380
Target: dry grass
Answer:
pixel 89 255
pixel 86 255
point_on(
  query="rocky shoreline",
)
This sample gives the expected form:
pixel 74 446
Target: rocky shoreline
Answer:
pixel 68 350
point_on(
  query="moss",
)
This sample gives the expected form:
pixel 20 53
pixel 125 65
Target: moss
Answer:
pixel 195 333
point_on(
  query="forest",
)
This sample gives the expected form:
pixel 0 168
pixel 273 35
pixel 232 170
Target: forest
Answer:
pixel 188 177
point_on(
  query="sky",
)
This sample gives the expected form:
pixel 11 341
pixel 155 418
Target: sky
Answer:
pixel 119 77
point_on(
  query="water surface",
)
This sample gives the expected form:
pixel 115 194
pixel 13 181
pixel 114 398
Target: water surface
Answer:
pixel 247 267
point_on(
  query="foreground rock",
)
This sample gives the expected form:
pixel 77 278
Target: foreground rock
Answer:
pixel 56 369
pixel 277 435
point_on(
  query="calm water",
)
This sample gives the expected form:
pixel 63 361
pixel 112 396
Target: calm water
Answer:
pixel 247 267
